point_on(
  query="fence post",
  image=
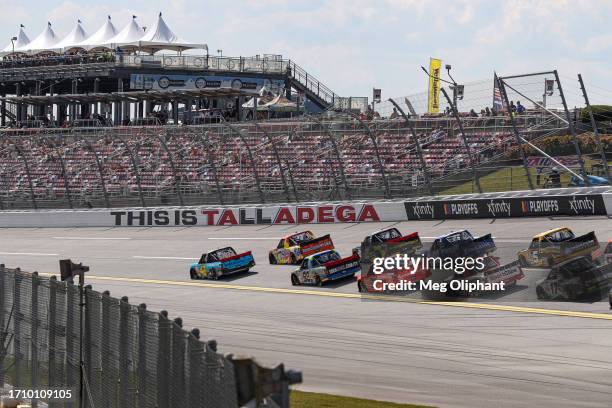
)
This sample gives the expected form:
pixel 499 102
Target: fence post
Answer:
pixel 142 356
pixel 52 317
pixel 124 334
pixel 195 351
pixel 178 364
pixel 17 380
pixel 163 360
pixel 602 151
pixel 72 356
pixel 107 370
pixel 34 380
pixel 572 130
pixel 3 334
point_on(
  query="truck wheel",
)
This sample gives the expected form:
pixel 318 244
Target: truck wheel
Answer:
pixel 318 281
pixel 272 259
pixel 540 293
pixel 523 261
pixel 294 280
pixel 293 259
pixel 192 274
pixel 213 275
pixel 550 261
pixel 361 287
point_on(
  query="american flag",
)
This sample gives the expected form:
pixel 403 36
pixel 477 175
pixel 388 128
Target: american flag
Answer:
pixel 498 102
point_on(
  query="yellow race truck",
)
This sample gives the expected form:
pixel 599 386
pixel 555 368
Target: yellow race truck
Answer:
pixel 558 245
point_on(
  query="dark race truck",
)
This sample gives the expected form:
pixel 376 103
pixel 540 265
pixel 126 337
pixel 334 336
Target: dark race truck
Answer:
pixel 576 279
pixel 324 267
pixel 221 262
pixel 383 244
pixel 552 247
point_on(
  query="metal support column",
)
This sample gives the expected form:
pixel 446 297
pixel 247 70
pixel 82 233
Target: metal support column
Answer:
pixel 211 162
pixel 251 159
pixel 64 173
pixel 602 151
pixel 517 136
pixel 100 171
pixel 27 168
pixel 465 140
pixel 416 142
pixel 136 171
pixel 572 130
pixel 278 159
pixel 177 181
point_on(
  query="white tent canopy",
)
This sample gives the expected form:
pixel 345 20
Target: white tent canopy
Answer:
pixel 45 42
pixel 22 41
pixel 161 37
pixel 101 37
pixel 130 33
pixel 73 39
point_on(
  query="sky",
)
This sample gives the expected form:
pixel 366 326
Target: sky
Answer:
pixel 355 45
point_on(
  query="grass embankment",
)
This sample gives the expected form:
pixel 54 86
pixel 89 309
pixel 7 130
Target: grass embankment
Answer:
pixel 510 178
pixel 300 399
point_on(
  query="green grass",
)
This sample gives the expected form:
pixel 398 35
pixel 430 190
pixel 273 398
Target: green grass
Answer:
pixel 300 399
pixel 508 179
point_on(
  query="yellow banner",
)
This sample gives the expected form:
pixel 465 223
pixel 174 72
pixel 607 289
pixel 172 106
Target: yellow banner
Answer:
pixel 433 99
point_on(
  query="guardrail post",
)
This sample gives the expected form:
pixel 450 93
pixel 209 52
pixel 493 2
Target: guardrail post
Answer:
pixel 164 356
pixel 34 318
pixel 88 373
pixel 124 334
pixel 28 173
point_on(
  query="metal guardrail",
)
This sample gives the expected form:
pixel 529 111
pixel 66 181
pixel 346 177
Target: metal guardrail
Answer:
pixel 120 355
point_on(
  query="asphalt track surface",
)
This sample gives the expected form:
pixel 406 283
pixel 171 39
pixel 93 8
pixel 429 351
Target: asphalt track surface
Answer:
pixel 508 351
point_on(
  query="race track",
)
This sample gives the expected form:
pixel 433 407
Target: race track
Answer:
pixel 506 353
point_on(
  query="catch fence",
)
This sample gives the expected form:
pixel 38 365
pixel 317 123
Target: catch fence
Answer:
pixel 113 354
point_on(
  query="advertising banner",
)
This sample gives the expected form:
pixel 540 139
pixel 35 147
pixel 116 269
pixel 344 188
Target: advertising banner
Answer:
pixel 161 82
pixel 433 95
pixel 579 204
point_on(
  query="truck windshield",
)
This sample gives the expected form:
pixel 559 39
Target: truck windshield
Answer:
pixel 327 256
pixel 387 235
pixel 223 253
pixel 301 237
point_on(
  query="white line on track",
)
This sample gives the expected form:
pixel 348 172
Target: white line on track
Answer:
pixel 90 238
pixel 163 257
pixel 27 253
pixel 243 238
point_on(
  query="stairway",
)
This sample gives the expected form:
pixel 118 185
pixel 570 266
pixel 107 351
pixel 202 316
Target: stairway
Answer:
pixel 312 88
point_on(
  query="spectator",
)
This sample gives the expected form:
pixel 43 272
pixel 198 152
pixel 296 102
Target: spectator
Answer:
pixel 394 114
pixel 473 113
pixel 488 111
pixel 520 109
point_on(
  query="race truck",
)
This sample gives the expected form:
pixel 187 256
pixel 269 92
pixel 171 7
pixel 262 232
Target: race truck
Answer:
pixel 221 262
pixel 495 272
pixel 555 246
pixel 575 279
pixel 388 243
pixel 293 248
pixel 324 267
pixel 607 255
pixel 410 243
pixel 461 244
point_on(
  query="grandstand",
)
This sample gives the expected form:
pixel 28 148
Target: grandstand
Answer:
pixel 311 158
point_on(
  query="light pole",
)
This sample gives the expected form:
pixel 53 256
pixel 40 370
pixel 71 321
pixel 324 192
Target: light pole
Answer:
pixel 13 39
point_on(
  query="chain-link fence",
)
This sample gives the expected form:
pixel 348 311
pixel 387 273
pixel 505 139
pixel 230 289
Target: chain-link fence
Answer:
pixel 337 155
pixel 113 354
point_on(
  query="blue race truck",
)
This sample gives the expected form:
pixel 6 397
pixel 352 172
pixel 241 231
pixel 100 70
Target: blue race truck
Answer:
pixel 221 262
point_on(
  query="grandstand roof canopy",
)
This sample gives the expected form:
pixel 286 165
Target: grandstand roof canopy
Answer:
pixel 100 37
pixel 131 38
pixel 22 41
pixel 73 39
pixel 44 42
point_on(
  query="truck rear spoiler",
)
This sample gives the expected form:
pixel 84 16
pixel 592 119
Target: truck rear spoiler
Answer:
pixel 229 258
pixel 580 243
pixel 315 245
